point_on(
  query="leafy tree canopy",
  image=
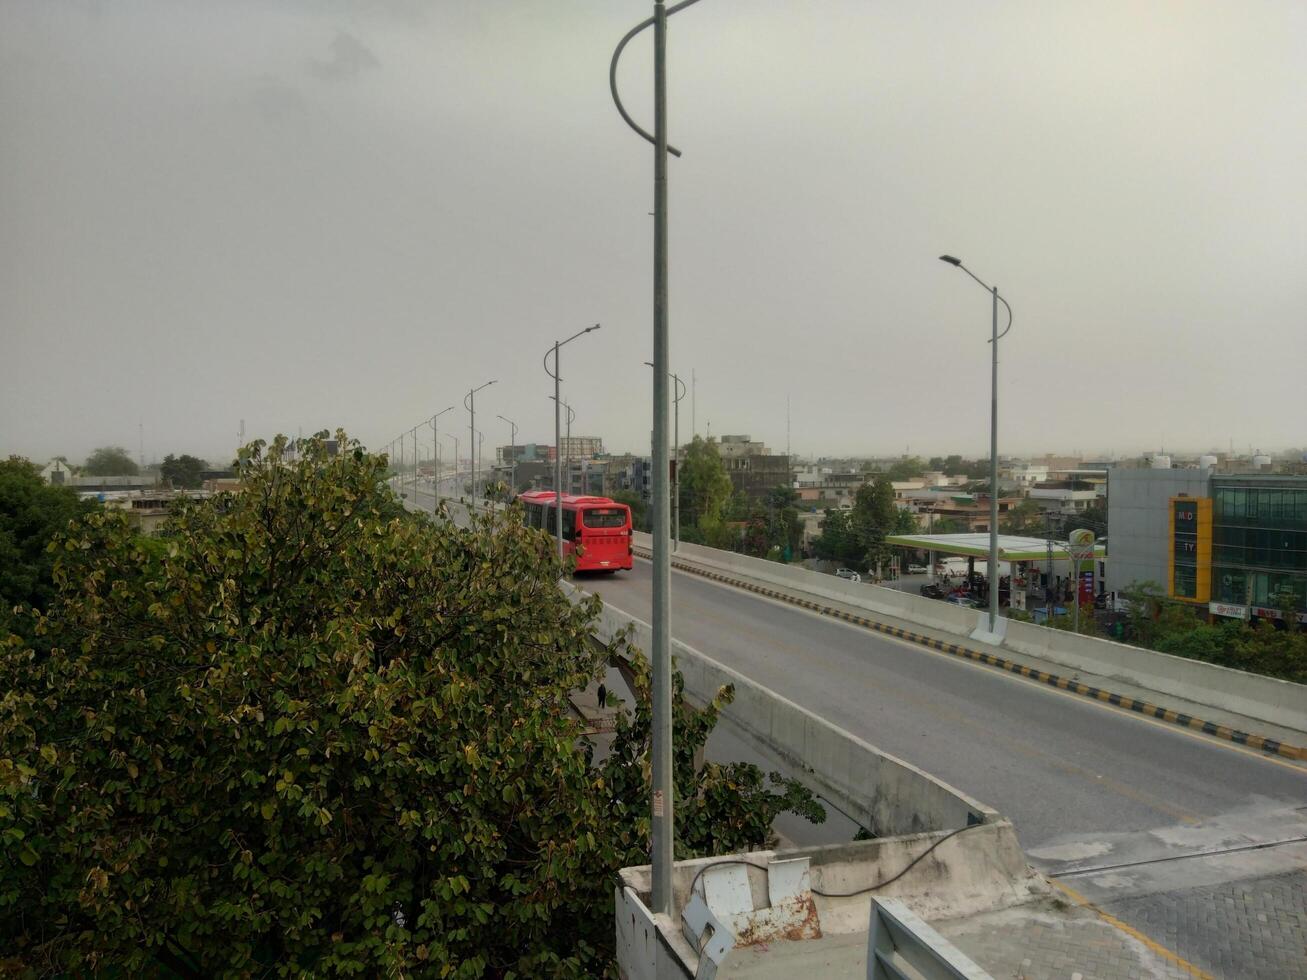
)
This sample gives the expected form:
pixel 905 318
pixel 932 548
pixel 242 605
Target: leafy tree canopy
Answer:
pixel 110 461
pixel 182 472
pixel 705 487
pixel 31 513
pixel 307 732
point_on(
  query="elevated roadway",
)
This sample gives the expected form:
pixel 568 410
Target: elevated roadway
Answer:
pixel 1149 821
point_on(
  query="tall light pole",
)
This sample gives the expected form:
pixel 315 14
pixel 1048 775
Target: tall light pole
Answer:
pixel 455 438
pixel 435 448
pixel 512 443
pixel 571 415
pixel 676 451
pixel 470 403
pixel 994 338
pixel 558 447
pixel 662 825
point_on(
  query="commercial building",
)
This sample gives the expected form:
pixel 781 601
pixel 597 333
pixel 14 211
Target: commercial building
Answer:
pixel 1236 546
pixel 581 447
pixel 754 469
pixel 1139 524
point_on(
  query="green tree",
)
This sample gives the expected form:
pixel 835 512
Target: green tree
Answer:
pixel 875 515
pixel 906 469
pixel 705 488
pixel 639 508
pixel 1026 518
pixel 182 472
pixel 110 461
pixel 311 732
pixel 31 513
pixel 720 808
pixel 946 525
pixel 839 541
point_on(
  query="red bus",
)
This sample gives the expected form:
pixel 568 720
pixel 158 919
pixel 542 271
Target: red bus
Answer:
pixel 597 530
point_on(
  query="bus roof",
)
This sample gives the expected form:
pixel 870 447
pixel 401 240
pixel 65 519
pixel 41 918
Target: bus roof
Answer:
pixel 548 497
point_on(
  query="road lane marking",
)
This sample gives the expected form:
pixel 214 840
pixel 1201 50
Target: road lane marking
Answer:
pixel 1132 932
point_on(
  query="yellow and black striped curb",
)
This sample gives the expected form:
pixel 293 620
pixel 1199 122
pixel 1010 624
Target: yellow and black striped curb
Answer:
pixel 1146 708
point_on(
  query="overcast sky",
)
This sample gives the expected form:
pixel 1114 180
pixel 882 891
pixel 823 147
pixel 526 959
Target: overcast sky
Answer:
pixel 306 213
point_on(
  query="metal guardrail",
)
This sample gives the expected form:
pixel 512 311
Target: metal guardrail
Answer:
pixel 902 946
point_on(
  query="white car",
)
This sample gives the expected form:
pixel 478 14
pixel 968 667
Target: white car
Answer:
pixel 917 570
pixel 848 574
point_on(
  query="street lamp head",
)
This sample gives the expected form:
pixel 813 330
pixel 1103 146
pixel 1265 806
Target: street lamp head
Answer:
pixel 951 260
pixel 588 329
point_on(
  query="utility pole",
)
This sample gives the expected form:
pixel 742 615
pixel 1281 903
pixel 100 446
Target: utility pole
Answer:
pixel 512 440
pixel 474 448
pixel 558 447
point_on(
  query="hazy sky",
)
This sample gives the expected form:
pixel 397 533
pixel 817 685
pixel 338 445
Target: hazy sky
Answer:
pixel 307 213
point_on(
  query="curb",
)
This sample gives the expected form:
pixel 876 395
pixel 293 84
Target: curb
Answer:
pixel 1269 745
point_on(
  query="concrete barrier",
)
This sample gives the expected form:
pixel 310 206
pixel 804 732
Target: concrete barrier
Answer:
pixel 876 598
pixel 1265 698
pixel 1256 696
pixel 877 790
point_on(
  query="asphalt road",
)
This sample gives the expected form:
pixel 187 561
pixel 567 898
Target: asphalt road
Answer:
pixel 1058 766
pixel 1199 843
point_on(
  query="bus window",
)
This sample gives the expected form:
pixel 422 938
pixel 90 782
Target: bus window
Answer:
pixel 569 525
pixel 551 520
pixel 607 517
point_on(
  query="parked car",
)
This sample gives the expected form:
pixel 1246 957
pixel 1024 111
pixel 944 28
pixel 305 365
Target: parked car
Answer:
pixel 917 569
pixel 848 574
pixel 961 600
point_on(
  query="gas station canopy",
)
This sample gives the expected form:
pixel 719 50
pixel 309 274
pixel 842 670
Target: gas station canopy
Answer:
pixel 1011 547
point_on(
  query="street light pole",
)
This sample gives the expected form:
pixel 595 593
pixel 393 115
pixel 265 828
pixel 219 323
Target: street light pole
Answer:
pixel 662 824
pixel 570 416
pixel 676 456
pixel 512 442
pixel 435 448
pixel 994 338
pixel 558 448
pixel 470 403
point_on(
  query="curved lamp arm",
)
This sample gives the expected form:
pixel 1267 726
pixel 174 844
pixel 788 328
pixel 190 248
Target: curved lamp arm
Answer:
pixel 612 73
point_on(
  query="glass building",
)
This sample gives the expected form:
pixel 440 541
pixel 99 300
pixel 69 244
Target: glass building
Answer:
pixel 1259 545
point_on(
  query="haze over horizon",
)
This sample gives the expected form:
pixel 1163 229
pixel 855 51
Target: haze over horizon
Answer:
pixel 307 215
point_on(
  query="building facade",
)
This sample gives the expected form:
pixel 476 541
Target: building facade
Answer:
pixel 1258 547
pixel 1139 522
pixel 1234 546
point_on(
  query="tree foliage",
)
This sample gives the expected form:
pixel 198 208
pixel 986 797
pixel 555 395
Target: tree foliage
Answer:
pixel 639 508
pixel 720 808
pixel 1158 623
pixel 31 513
pixel 705 489
pixel 182 472
pixel 110 461
pixel 311 734
pixel 906 469
pixel 1026 518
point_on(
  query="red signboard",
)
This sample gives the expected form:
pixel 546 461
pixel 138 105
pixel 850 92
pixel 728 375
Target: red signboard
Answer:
pixel 1086 586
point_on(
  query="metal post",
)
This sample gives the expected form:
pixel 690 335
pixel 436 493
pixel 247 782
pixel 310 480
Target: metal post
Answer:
pixel 435 464
pixel 558 458
pixel 676 483
pixel 472 435
pixel 662 824
pixel 993 472
pixel 512 440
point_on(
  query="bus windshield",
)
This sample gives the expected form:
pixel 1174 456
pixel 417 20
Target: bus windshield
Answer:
pixel 605 518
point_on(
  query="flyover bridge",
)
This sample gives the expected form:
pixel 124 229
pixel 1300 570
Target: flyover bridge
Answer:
pixel 1164 827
